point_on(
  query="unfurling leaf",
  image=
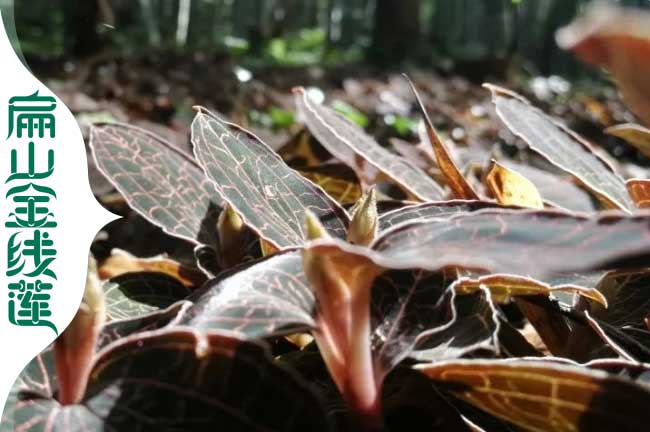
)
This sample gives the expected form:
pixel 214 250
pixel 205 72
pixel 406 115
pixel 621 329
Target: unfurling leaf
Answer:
pixel 511 188
pixel 639 190
pixel 230 228
pixel 74 350
pixel 617 39
pixel 561 147
pixel 634 134
pixel 364 225
pixel 459 186
pixel 347 141
pixel 270 197
pixel 342 282
pixel 503 287
pixel 541 396
pixel 163 184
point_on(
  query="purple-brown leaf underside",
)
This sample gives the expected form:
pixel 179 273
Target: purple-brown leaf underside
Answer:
pixel 541 396
pixel 341 137
pixel 160 182
pixel 561 147
pixel 136 385
pixel 270 297
pixel 270 197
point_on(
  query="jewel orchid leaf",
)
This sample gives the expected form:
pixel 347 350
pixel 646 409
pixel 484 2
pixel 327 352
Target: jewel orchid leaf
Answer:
pixel 512 241
pixel 269 297
pixel 540 396
pixel 270 197
pixel 560 146
pixel 133 387
pixel 163 184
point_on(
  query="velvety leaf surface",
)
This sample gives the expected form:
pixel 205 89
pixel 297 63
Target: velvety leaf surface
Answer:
pixel 135 385
pixel 560 146
pixel 513 242
pixel 37 383
pixel 542 396
pixel 419 212
pixel 270 197
pixel 163 184
pixel 347 142
pixel 270 297
pixel 135 294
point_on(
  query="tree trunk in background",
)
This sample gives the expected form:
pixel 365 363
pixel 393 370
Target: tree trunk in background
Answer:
pixel 80 34
pixel 396 32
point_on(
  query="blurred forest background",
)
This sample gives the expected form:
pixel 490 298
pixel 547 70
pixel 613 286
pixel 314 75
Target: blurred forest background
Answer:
pixel 486 33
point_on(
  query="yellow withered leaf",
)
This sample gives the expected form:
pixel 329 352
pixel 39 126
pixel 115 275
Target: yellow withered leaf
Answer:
pixel 511 188
pixel 121 262
pixel 639 190
pixel 459 186
pixel 636 135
